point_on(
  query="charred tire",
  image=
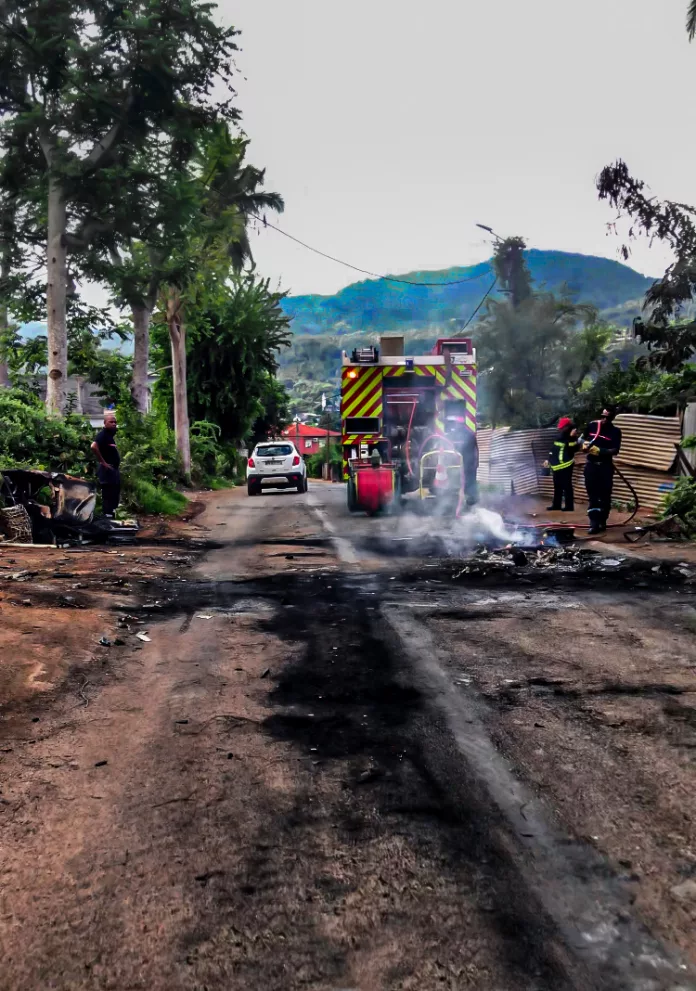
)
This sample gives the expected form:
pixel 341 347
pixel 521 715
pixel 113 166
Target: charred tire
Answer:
pixel 352 496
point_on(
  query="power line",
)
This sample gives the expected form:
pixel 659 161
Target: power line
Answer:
pixel 364 271
pixel 487 294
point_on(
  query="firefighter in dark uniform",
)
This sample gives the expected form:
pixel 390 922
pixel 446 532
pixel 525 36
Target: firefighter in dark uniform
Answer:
pixel 561 461
pixel 464 441
pixel 602 441
pixel 399 440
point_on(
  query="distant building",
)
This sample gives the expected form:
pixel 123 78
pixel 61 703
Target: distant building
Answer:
pixel 83 397
pixel 309 440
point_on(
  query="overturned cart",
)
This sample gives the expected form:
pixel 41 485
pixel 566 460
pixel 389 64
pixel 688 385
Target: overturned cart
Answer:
pixel 46 507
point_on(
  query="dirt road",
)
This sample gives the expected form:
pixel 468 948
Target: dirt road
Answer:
pixel 332 764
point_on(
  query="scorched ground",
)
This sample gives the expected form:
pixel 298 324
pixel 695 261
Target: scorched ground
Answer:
pixel 329 766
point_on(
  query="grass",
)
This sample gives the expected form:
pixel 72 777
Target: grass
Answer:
pixel 155 499
pixel 216 484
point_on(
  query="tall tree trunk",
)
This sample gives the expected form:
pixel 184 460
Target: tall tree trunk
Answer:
pixel 141 357
pixel 4 323
pixel 8 217
pixel 80 395
pixel 177 337
pixel 56 297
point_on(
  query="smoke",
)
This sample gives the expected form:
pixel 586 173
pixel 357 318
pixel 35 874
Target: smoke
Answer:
pixel 486 523
pixel 455 536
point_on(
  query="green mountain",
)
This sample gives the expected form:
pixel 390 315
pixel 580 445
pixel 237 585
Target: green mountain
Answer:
pixel 324 326
pixel 380 306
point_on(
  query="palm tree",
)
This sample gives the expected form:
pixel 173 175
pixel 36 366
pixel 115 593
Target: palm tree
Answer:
pixel 691 20
pixel 192 200
pixel 214 239
pixel 233 193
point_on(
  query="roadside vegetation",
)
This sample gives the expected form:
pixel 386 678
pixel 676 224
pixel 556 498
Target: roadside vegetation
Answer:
pixel 120 168
pixel 147 190
pixel 316 462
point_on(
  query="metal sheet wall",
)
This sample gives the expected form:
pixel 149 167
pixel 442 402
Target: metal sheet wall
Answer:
pixel 651 486
pixel 649 441
pixel 689 430
pixel 514 459
pixel 484 439
pixel 510 460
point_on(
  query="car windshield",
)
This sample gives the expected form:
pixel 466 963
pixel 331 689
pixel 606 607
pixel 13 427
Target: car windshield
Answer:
pixel 274 451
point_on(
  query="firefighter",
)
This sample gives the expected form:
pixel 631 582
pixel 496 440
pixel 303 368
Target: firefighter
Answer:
pixel 602 441
pixel 399 451
pixel 465 442
pixel 561 461
pixel 470 454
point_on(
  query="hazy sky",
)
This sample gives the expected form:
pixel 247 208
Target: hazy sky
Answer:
pixel 392 126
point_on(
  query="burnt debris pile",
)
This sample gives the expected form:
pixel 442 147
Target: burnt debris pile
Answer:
pixel 43 507
pixel 515 561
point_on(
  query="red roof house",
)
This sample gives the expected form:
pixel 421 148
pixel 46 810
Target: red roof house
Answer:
pixel 307 439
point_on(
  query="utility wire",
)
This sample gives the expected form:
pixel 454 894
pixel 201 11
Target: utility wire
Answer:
pixel 488 292
pixel 364 271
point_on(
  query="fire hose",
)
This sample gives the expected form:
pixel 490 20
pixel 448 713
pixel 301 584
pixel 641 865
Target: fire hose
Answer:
pixel 550 523
pixel 587 526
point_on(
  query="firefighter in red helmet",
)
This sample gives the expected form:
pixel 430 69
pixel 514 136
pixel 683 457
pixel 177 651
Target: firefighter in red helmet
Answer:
pixel 561 460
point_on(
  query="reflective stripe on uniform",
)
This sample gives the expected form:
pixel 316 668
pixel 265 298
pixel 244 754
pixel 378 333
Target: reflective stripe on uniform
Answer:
pixel 562 464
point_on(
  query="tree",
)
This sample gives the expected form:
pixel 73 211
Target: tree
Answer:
pixel 691 20
pixel 89 82
pixel 532 350
pixel 221 199
pixel 274 412
pixel 512 274
pixel 90 331
pixel 155 215
pixel 233 336
pixel 670 343
pixel 15 267
pixel 7 215
pixel 193 197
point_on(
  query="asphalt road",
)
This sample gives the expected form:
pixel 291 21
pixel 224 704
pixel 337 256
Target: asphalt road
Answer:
pixel 341 761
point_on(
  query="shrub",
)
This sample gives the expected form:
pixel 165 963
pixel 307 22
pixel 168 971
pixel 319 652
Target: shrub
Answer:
pixel 30 438
pixel 150 464
pixel 315 461
pixel 147 446
pixel 205 446
pixel 150 498
pixel 681 502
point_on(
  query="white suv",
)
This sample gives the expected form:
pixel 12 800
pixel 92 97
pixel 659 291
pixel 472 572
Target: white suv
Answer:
pixel 276 463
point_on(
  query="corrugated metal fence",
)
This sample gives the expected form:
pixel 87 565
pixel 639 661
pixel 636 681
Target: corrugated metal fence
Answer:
pixel 690 430
pixel 510 460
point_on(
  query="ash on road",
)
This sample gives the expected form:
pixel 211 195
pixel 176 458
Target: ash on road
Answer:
pixel 328 769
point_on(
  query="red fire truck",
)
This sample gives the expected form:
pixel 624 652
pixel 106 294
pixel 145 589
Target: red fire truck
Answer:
pixel 409 425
